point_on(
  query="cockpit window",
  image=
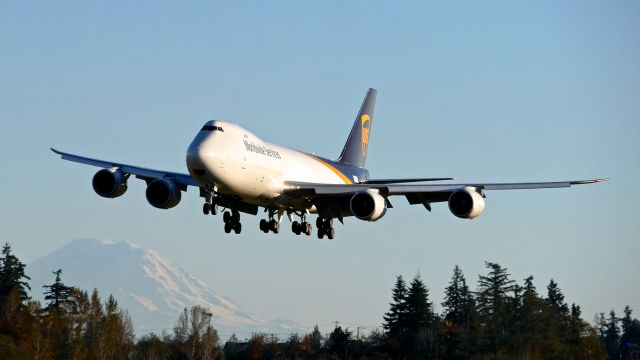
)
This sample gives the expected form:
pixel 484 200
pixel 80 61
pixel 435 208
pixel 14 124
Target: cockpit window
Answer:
pixel 212 128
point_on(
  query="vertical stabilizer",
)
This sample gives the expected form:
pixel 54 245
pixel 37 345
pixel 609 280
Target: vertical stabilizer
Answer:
pixel 355 150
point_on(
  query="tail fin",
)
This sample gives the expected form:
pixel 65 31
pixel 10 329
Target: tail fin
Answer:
pixel 355 150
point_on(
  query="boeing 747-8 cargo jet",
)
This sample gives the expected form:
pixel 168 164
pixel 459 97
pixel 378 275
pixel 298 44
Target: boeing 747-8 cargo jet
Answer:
pixel 240 172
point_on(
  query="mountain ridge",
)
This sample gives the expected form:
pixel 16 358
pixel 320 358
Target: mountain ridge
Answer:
pixel 151 288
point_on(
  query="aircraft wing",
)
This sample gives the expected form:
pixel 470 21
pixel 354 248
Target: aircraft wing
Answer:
pixel 394 189
pixel 140 172
pixel 330 194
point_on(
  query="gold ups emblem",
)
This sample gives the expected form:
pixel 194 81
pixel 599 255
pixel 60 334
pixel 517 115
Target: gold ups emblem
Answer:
pixel 365 122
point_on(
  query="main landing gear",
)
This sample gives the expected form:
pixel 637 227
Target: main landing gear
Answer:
pixel 269 225
pixel 325 227
pixel 232 222
pixel 302 227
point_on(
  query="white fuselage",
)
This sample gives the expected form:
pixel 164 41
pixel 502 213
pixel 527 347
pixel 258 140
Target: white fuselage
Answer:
pixel 241 164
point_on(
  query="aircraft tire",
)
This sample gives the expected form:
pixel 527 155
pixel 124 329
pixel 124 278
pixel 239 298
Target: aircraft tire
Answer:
pixel 331 233
pixel 226 217
pixel 320 233
pixel 319 222
pixel 328 224
pixel 235 217
pixel 237 228
pixel 307 229
pixel 276 227
pixel 214 209
pixel 227 227
pixel 205 208
pixel 295 227
pixel 264 225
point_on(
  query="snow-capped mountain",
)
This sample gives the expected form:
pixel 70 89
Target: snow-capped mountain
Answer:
pixel 150 287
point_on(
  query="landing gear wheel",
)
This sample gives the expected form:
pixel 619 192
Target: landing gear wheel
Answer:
pixel 264 226
pixel 331 233
pixel 227 227
pixel 205 208
pixel 319 222
pixel 307 229
pixel 295 227
pixel 328 223
pixel 235 217
pixel 237 228
pixel 275 227
pixel 214 209
pixel 320 233
pixel 226 217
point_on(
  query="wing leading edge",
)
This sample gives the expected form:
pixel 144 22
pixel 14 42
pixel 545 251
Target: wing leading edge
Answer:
pixel 139 172
pixel 394 189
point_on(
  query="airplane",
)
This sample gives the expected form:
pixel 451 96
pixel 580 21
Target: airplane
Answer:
pixel 236 170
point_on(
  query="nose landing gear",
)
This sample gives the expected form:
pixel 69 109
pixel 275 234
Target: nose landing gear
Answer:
pixel 210 205
pixel 208 208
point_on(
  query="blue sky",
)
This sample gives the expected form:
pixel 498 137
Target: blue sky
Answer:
pixel 483 91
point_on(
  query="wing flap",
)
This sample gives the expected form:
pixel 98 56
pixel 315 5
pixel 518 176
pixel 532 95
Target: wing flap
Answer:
pixel 404 180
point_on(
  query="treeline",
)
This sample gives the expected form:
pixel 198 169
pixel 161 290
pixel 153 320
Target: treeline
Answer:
pixel 501 319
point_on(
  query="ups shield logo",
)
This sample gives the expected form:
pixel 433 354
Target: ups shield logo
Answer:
pixel 365 125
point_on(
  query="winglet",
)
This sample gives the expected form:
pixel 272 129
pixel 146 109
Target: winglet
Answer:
pixel 56 151
pixel 592 181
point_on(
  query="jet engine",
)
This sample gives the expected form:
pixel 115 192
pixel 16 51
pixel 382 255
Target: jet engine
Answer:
pixel 109 183
pixel 466 203
pixel 163 194
pixel 368 205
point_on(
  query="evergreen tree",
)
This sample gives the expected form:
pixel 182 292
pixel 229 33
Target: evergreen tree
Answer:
pixel 612 336
pixel 395 319
pixel 575 324
pixel 58 293
pixel 12 276
pixel 339 341
pixel 600 323
pixel 420 338
pixel 532 321
pixel 630 339
pixel 458 301
pixel 94 325
pixel 460 318
pixel 555 299
pixel 419 310
pixel 314 341
pixel 292 347
pixel 493 301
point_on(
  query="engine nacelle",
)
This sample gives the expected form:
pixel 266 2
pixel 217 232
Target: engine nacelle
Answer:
pixel 163 194
pixel 466 203
pixel 368 205
pixel 109 183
